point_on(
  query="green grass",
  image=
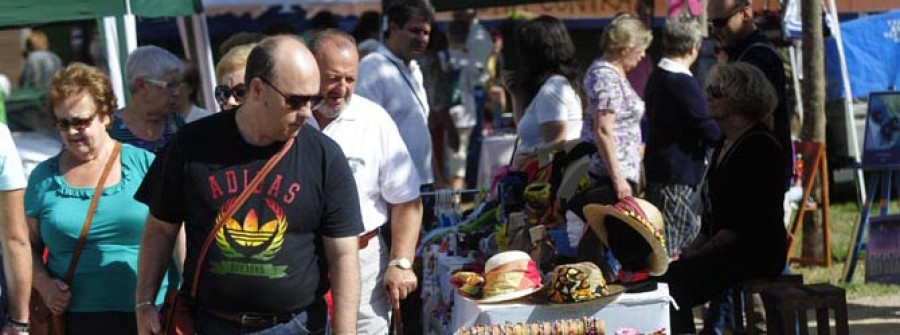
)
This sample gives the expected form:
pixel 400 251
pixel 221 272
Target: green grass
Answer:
pixel 844 218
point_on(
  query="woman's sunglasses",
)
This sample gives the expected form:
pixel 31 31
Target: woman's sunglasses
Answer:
pixel 79 124
pixel 715 92
pixel 223 92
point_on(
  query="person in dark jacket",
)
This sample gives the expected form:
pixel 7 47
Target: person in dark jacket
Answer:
pixel 680 133
pixel 743 235
pixel 734 27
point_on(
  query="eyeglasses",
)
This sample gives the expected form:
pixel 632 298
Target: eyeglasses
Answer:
pixel 169 85
pixel 295 101
pixel 79 124
pixel 718 23
pixel 223 92
pixel 715 92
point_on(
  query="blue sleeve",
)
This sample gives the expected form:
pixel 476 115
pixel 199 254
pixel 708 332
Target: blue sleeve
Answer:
pixel 367 85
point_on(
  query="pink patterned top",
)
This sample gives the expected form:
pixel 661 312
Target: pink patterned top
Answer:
pixel 606 89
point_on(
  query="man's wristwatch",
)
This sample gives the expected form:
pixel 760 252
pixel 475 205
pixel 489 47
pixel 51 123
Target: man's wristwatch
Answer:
pixel 403 263
pixel 16 325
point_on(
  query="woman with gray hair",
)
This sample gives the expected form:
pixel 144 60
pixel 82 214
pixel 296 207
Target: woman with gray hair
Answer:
pixel 680 134
pixel 150 119
pixel 743 236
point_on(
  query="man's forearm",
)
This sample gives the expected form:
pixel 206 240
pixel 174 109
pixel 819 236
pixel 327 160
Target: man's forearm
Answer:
pixel 17 248
pixel 406 222
pixel 155 256
pixel 343 260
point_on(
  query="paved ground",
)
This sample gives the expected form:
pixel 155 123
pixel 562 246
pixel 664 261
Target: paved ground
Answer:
pixel 874 315
pixel 868 316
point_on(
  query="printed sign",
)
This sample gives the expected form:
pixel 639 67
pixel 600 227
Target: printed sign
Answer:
pixel 882 142
pixel 883 250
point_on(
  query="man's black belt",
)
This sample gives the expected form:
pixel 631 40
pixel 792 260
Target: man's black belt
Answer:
pixel 253 320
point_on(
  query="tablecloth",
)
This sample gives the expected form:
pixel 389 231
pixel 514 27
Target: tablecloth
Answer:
pixel 646 312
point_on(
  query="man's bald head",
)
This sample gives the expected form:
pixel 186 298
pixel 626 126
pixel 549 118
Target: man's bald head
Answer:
pixel 271 52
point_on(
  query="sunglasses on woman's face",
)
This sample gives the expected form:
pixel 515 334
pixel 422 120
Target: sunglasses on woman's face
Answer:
pixel 79 124
pixel 715 92
pixel 223 92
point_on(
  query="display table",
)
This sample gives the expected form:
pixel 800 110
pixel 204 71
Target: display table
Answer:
pixel 647 312
pixel 495 152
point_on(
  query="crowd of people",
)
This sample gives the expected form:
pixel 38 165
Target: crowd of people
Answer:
pixel 295 206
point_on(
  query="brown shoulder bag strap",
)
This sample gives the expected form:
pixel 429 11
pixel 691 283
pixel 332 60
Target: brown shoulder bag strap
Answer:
pixel 86 227
pixel 245 194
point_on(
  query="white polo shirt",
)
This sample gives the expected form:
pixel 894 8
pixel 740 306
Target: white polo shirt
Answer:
pixel 385 80
pixel 382 167
pixel 12 176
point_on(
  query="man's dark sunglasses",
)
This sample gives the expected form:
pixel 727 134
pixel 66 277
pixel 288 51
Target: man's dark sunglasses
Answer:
pixel 223 92
pixel 295 101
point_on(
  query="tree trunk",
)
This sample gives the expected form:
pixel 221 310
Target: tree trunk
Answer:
pixel 813 129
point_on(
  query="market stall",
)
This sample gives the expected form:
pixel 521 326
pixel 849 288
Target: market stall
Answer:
pixel 508 263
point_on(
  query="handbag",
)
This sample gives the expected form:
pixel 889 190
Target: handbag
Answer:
pixel 175 315
pixel 42 321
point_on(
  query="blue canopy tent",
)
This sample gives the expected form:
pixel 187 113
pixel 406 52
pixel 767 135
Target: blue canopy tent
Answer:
pixel 872 52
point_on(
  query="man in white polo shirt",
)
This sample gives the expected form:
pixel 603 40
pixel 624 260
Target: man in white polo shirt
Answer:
pixel 14 238
pixel 392 79
pixel 386 180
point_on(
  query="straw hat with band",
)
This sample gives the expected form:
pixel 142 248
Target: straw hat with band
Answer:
pixel 507 276
pixel 641 217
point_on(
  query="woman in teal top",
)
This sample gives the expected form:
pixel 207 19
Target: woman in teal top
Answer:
pixel 57 200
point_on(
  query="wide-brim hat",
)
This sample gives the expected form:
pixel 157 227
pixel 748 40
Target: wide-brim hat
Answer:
pixel 577 283
pixel 508 276
pixel 639 215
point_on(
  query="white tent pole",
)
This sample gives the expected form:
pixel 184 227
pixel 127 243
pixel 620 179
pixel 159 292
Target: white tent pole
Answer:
pixel 111 36
pixel 795 76
pixel 183 34
pixel 130 24
pixel 848 102
pixel 204 59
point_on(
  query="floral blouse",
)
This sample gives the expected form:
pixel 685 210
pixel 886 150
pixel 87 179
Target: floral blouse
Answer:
pixel 606 89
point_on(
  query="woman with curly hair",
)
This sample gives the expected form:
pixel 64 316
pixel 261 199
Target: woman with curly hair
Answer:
pixel 99 285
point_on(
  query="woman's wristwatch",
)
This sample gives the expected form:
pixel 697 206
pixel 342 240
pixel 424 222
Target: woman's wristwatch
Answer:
pixel 17 325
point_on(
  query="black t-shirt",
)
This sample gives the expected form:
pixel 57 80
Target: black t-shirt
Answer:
pixel 269 257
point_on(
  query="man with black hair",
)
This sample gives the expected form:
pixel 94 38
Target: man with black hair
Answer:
pixel 393 79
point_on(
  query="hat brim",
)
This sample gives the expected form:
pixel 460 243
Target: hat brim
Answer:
pixel 543 296
pixel 596 217
pixel 508 296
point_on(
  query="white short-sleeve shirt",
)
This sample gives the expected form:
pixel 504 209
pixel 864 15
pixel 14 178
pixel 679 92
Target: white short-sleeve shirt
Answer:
pixel 387 81
pixel 383 169
pixel 12 176
pixel 555 101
